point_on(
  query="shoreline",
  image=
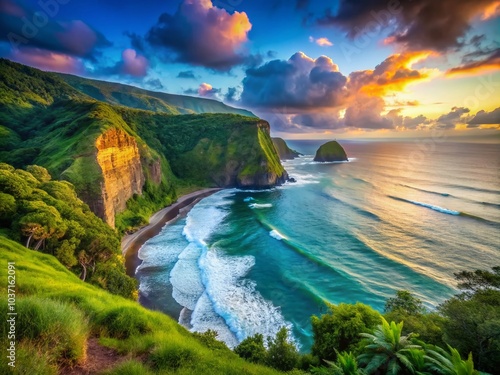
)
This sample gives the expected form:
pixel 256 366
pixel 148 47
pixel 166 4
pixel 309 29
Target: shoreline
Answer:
pixel 131 243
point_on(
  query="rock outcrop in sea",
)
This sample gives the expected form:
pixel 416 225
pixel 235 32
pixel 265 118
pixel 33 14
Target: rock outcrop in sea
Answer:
pixel 331 151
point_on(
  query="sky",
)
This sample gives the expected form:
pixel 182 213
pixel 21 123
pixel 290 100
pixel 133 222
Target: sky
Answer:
pixel 312 68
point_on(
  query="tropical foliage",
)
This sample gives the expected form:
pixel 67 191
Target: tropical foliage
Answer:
pixel 47 216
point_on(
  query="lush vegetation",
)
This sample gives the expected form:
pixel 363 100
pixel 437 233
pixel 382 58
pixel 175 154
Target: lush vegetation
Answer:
pixel 284 151
pixel 54 121
pixel 47 216
pixel 330 151
pixel 461 338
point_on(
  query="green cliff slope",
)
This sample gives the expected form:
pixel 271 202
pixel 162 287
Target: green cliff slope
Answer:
pixel 284 152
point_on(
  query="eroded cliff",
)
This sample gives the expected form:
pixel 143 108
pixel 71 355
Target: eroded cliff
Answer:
pixel 120 162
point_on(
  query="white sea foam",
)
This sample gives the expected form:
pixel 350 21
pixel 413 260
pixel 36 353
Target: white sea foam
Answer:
pixel 275 234
pixel 243 309
pixel 186 279
pixel 436 208
pixel 161 250
pixel 204 318
pixel 212 284
pixel 260 205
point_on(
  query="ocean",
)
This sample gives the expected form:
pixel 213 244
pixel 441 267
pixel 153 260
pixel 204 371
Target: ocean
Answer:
pixel 398 215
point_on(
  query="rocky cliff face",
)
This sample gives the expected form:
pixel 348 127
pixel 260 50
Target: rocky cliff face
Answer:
pixel 120 162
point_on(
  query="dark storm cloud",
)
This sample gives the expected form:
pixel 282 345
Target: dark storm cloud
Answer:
pixel 39 28
pixel 418 25
pixel 204 35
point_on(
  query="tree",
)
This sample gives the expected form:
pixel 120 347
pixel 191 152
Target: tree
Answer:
pixel 472 322
pixel 65 253
pixel 7 207
pixel 449 362
pixel 405 302
pixel 281 354
pixel 387 351
pixel 252 349
pixel 340 329
pixel 40 173
pixel 479 279
pixel 42 224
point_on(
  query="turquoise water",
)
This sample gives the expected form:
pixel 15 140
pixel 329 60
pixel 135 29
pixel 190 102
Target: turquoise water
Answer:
pixel 396 216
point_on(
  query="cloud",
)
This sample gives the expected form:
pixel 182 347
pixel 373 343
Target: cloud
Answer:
pixel 416 25
pixel 131 64
pixel 188 74
pixel 364 112
pixel 393 74
pixel 322 42
pixel 154 84
pixel 300 82
pixel 22 27
pixel 319 121
pixel 47 60
pixel 457 115
pixel 486 118
pixel 201 34
pixel 206 90
pixel 406 122
pixel 136 41
pixel 491 62
pixel 233 95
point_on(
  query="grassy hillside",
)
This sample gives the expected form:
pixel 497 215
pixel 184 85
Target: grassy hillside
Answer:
pixel 134 97
pixel 65 313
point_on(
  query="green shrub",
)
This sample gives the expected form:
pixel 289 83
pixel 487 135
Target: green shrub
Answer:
pixel 172 356
pixel 252 349
pixel 123 322
pixel 209 339
pixel 340 329
pixel 282 354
